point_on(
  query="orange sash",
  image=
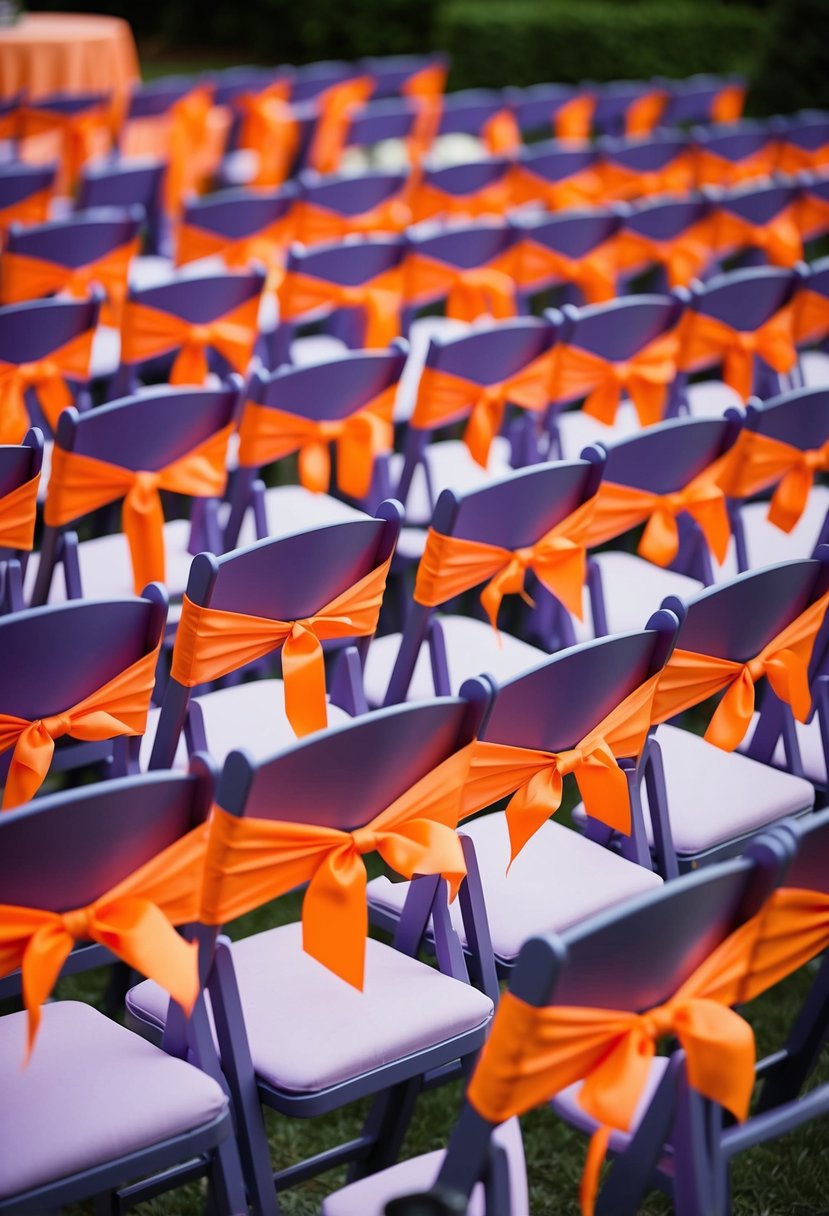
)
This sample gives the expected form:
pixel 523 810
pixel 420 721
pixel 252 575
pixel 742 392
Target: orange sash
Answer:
pixel 791 929
pixel 429 200
pixel 18 512
pixel 189 118
pixel 470 292
pixel 379 297
pixel 118 707
pixel 534 778
pixel 79 484
pixel 645 377
pixel 426 82
pixel 533 1053
pixel 619 508
pixel 267 434
pixel 80 136
pixel 28 278
pixel 271 130
pixel 704 339
pixel 757 461
pixel 582 189
pixel 331 132
pixel 266 246
pixel 134 920
pixel 779 238
pixel 811 316
pixel 46 377
pixel 148 332
pixel 644 113
pixel 210 643
pixel 34 209
pixel 316 224
pixel 812 214
pixel 684 256
pixel 622 183
pixel 500 134
pixel 690 678
pixel 727 106
pixel 594 273
pixel 715 170
pixel 443 397
pixel 251 861
pixel 451 565
pixel 574 119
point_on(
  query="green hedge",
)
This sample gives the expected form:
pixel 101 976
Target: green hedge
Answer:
pixel 524 42
pixel 793 66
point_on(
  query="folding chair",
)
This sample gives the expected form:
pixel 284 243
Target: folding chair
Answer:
pixel 564 111
pixel 468 267
pixel 629 107
pixel 137 182
pixel 533 520
pixel 572 254
pixel 20 476
pixel 336 206
pixel 585 711
pixel 346 402
pixel 673 236
pixel 25 194
pixel 470 123
pixel 666 478
pixel 86 676
pixel 657 163
pixel 287 595
pixel 758 221
pixel 741 323
pixel 73 867
pixel 731 153
pixel 620 360
pixel 803 142
pixel 163 439
pixel 308 1031
pixel 566 1007
pixel 468 190
pixel 405 75
pixel 558 175
pixel 238 227
pixel 205 323
pixel 704 99
pixel 168 118
pixel 811 324
pixel 389 134
pixel 471 378
pixel 70 127
pixel 813 205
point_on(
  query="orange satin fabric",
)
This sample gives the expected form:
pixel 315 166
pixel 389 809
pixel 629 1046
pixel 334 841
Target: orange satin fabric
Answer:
pixel 451 565
pixel 271 130
pixel 758 461
pixel 118 707
pixel 134 919
pixel 335 106
pixel 46 377
pixel 443 397
pixel 23 277
pixel 727 106
pixel 792 928
pixel 582 189
pixel 811 316
pixel 211 642
pixel 690 678
pixel 34 209
pixel 266 246
pixel 251 861
pixel 644 113
pixel 18 513
pixel 379 297
pixel 82 135
pixel 534 778
pixel 779 238
pixel 426 82
pixel 704 339
pixel 793 159
pixel 622 183
pixel 618 508
pixel 470 292
pixel 148 332
pixel 574 119
pixel 594 273
pixel 684 256
pixel 79 484
pixel 187 140
pixel 267 434
pixel 316 225
pixel 429 201
pixel 645 377
pixel 501 135
pixel 715 170
pixel 812 214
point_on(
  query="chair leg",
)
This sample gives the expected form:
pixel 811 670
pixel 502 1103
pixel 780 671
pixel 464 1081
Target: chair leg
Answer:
pixel 386 1125
pixel 226 1187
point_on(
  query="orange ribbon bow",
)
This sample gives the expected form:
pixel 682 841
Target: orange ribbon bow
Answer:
pixel 79 484
pixel 622 183
pixel 501 135
pixel 188 136
pixel 270 128
pixel 811 316
pixel 793 159
pixel 645 377
pixel 684 256
pixel 581 189
pixel 379 297
pixel 46 377
pixel 429 201
pixel 451 565
pixel 619 508
pixel 534 1053
pixel 18 513
pixel 715 170
pixel 574 119
pixel 80 134
pixel 210 643
pixel 29 278
pixel 534 778
pixel 267 434
pixel 778 237
pixel 148 332
pixel 470 292
pixel 251 861
pixel 118 707
pixel 812 214
pixel 316 225
pixel 594 273
pixel 443 397
pixel 704 339
pixel 758 461
pixel 644 113
pixel 727 106
pixel 690 678
pixel 266 246
pixel 335 106
pixel 33 209
pixel 134 920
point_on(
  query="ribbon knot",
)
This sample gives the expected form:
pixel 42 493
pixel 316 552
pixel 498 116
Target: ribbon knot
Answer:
pixel 746 340
pixel 34 373
pixel 77 923
pixel 56 726
pixel 659 1022
pixel 570 760
pixel 200 335
pixel 364 840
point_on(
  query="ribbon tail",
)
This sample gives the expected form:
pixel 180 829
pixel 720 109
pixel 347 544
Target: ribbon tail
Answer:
pixel 315 467
pixel 30 763
pixel 45 955
pixel 143 522
pixel 54 397
pixel 790 497
pixel 335 915
pixel 531 807
pixel 190 366
pixel 303 671
pixel 732 716
pixel 738 372
pixel 660 540
pixel 14 417
pixel 603 402
pixel 483 425
pixel 589 1184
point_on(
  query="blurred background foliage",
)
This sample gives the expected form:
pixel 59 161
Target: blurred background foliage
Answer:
pixel 780 45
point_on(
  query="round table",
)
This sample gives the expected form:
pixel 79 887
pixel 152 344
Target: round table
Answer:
pixel 47 53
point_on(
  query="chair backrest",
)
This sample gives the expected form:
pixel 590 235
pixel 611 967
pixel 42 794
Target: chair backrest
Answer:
pixel 804 141
pixel 744 299
pixel 156 98
pixel 458 247
pixel 757 204
pixel 127 183
pixel 558 174
pixel 581 249
pixel 333 206
pixel 25 193
pixel 664 458
pixel 621 329
pixel 629 107
pixel 393 73
pixel 478 187
pixel 652 164
pixel 664 219
pixel 19 464
pixel 727 154
pixel 311 79
pixel 538 109
pixel 813 204
pixel 799 418
pixel 234 82
pixel 376 121
pixel 702 99
pixel 467 112
pixel 227 219
pixel 288 578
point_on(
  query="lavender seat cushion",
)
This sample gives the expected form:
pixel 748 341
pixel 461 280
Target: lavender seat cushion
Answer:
pixel 92 1092
pixel 634 588
pixel 450 466
pixel 566 1105
pixel 291 1002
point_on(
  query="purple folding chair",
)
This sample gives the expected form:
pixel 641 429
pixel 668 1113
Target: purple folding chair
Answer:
pixel 557 878
pixel 571 255
pixel 393 73
pixel 676 463
pixel 639 166
pixel 25 193
pixel 384 126
pixel 631 959
pixel 311 79
pixel 492 365
pixel 740 324
pixel 483 115
pixel 211 317
pixel 629 107
pixel 562 110
pixel 129 183
pixel 703 99
pixel 619 333
pixel 238 227
pixel 75 127
pixel 471 189
pixel 670 236
pixel 345 404
pixel 813 205
pixel 557 174
pixel 59 855
pixel 758 224
pixel 335 206
pixel 730 153
pixel 171 438
pixel 803 142
pixel 292 578
pixel 292 1035
pixel 436 654
pixel 20 473
pixel 70 652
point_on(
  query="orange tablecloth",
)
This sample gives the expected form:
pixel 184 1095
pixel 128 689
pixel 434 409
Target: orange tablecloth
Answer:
pixel 67 52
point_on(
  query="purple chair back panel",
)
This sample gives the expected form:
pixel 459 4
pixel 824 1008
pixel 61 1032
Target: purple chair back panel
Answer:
pixel 348 263
pixel 231 83
pixel 572 233
pixel 330 390
pixel 613 101
pixel 20 181
pixel 664 458
pixel 468 178
pixel 810 868
pixel 645 155
pixel 519 509
pixel 691 100
pixel 465 113
pixel 808 130
pixel 78 239
pixel 800 418
pixel 18 463
pixel 159 96
pixel 556 160
pixel 69 103
pixel 535 107
pixel 31 331
pixel 663 219
pixel 391 72
pixel 379 120
pixel 745 299
pixel 735 143
pixel 203 299
pixel 122 184
pixel 108 829
pixel 620 329
pixel 488 356
pixel 758 205
pixel 464 247
pixel 239 213
pixel 314 78
pixel 352 195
